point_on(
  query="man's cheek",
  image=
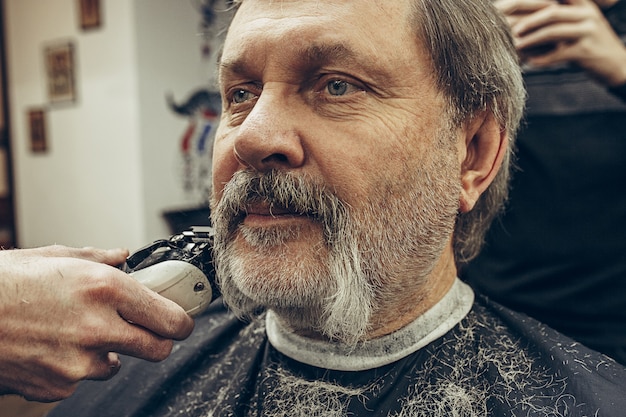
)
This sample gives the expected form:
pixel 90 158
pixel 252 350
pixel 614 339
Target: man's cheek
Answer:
pixel 224 166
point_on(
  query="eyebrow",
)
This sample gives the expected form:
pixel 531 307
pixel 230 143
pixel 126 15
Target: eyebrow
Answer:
pixel 310 57
pixel 324 54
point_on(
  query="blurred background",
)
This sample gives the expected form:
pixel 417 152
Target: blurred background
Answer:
pixel 98 143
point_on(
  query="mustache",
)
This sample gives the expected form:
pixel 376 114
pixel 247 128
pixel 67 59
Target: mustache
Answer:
pixel 279 191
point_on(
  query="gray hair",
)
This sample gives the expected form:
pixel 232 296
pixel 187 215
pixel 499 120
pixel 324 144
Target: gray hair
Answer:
pixel 477 69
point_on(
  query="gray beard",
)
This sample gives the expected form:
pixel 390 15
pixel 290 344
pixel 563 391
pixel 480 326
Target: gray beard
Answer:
pixel 338 308
pixel 362 257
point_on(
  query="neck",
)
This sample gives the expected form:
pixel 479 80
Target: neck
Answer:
pixel 405 294
pixel 429 326
pixel 412 298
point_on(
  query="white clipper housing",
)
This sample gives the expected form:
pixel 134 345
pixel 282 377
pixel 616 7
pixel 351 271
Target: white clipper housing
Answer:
pixel 180 282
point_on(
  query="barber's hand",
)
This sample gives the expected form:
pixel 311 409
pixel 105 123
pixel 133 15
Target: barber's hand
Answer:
pixel 547 33
pixel 65 314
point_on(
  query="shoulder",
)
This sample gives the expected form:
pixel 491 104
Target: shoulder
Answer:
pixel 538 365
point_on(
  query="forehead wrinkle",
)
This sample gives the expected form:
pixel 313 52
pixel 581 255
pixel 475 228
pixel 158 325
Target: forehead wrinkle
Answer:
pixel 308 58
pixel 293 37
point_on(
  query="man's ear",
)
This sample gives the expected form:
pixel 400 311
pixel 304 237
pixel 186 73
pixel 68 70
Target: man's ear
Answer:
pixel 481 155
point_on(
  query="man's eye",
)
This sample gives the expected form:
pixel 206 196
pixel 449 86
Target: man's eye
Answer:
pixel 241 96
pixel 337 87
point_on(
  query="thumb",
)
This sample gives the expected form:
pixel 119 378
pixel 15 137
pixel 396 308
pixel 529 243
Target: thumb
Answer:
pixel 113 257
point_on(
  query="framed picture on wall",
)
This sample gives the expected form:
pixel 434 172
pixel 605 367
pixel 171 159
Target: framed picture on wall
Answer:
pixel 89 14
pixel 37 130
pixel 60 72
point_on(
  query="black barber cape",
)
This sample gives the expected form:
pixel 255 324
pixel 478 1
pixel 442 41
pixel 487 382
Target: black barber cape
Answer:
pixel 466 353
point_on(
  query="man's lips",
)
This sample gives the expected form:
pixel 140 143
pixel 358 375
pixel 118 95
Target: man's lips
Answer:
pixel 259 214
pixel 267 210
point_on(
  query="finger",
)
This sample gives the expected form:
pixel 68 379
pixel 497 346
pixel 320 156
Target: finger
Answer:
pixel 566 37
pixel 108 256
pixel 579 2
pixel 114 334
pixel 561 34
pixel 564 52
pixel 120 294
pixel 133 340
pixel 105 367
pixel 511 7
pixel 547 58
pixel 113 257
pixel 150 310
pixel 547 18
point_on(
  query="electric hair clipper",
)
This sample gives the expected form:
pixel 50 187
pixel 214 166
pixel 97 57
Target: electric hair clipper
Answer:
pixel 179 268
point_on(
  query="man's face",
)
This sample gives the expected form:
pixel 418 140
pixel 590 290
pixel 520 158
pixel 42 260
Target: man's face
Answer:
pixel 335 178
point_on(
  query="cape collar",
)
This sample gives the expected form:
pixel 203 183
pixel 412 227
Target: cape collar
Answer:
pixel 431 325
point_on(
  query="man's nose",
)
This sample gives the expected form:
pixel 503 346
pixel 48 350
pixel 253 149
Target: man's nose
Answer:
pixel 270 137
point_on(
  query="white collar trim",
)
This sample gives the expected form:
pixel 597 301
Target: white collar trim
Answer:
pixel 431 325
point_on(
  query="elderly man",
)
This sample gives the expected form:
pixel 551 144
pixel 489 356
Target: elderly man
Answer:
pixel 363 149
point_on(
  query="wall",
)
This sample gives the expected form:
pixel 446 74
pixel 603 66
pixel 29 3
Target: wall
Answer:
pixel 169 62
pixel 111 166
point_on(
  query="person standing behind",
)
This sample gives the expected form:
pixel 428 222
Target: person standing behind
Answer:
pixel 558 252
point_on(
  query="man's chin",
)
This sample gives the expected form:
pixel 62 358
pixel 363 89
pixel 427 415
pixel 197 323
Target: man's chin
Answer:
pixel 287 290
pixel 298 236
pixel 287 276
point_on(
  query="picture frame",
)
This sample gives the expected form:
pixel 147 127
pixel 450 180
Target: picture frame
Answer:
pixel 37 130
pixel 90 14
pixel 60 72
